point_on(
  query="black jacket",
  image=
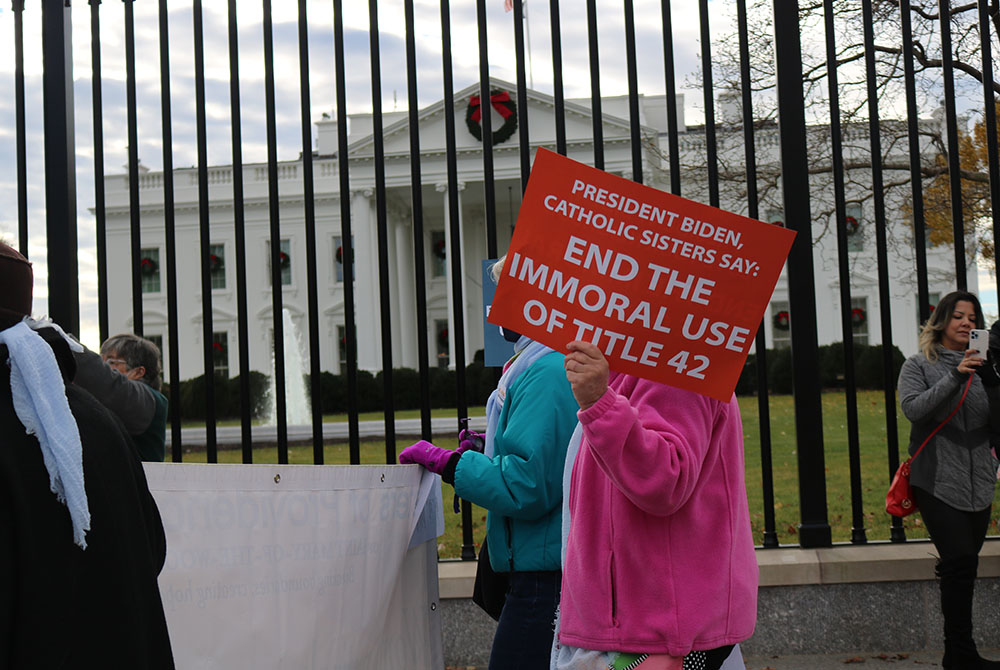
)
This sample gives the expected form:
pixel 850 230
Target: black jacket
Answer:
pixel 62 606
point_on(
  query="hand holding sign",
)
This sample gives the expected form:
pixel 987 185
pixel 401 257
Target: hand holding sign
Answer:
pixel 664 288
pixel 587 372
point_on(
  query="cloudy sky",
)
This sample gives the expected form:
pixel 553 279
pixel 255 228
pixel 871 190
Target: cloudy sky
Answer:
pixel 322 85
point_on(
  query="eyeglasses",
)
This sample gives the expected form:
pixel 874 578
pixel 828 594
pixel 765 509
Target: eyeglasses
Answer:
pixel 115 361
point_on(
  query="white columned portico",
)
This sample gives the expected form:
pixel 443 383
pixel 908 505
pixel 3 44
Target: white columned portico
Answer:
pixel 367 313
pixel 443 189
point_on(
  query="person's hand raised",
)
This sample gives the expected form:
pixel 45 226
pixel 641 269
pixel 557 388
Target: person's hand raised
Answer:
pixel 970 363
pixel 587 372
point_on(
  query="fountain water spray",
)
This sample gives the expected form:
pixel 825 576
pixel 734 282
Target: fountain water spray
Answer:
pixel 297 408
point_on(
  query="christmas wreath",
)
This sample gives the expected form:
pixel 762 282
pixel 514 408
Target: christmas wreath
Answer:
pixel 283 260
pixel 443 339
pixel 782 320
pixel 439 250
pixel 215 263
pixel 148 266
pixel 217 346
pixel 858 317
pixel 504 105
pixel 851 224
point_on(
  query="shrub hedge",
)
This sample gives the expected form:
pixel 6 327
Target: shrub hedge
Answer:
pixel 479 383
pixel 868 368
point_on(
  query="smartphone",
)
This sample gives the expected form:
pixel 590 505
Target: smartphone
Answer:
pixel 979 340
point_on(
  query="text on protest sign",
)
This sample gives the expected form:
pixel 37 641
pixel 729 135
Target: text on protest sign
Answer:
pixel 669 289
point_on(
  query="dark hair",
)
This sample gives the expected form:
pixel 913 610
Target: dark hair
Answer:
pixel 136 352
pixel 930 334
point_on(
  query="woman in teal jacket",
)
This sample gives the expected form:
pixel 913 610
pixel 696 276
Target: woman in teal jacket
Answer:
pixel 518 479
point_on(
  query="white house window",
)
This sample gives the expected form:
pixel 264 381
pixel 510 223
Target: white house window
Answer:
pixel 342 348
pixel 285 256
pixel 932 300
pixel 775 216
pixel 217 265
pixel 439 254
pixel 781 325
pixel 149 270
pixel 855 225
pixel 860 319
pixel 220 353
pixel 341 254
pixel 441 342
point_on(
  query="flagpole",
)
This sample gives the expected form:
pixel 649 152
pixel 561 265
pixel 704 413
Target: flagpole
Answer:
pixel 527 42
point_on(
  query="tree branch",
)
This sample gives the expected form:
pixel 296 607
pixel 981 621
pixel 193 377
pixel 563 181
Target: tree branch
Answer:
pixel 936 63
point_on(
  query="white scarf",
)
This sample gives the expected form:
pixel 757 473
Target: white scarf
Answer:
pixel 39 398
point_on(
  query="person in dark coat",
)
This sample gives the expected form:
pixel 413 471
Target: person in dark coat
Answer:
pixel 79 551
pixel 125 378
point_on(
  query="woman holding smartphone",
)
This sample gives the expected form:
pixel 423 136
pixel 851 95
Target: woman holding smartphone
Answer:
pixel 953 478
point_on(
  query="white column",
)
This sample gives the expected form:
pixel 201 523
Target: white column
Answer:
pixel 367 313
pixel 405 298
pixel 443 188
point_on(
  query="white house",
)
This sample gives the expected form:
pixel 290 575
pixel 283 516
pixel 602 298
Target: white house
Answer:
pixel 579 132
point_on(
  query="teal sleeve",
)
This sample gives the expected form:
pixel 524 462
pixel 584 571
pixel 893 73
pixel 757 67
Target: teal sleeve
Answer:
pixel 523 480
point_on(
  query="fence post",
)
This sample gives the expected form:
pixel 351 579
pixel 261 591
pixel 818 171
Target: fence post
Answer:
pixel 814 529
pixel 60 164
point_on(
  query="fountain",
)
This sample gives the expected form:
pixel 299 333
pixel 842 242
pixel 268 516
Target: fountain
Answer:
pixel 297 408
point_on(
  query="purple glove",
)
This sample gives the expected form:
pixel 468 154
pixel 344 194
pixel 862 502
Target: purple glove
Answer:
pixel 426 454
pixel 471 440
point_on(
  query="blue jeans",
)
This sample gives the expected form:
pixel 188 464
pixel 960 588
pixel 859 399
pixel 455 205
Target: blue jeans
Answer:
pixel 523 640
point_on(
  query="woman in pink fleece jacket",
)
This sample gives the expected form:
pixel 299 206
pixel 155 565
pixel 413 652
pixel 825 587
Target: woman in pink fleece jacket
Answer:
pixel 659 557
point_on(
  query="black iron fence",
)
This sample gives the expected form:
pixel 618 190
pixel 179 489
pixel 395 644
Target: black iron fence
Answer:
pixel 839 116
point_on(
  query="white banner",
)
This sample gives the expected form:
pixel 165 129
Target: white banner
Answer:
pixel 300 567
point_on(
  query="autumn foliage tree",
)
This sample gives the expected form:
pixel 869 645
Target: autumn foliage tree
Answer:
pixel 977 212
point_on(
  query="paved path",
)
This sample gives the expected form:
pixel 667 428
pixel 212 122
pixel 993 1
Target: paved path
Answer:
pixel 232 435
pixel 862 660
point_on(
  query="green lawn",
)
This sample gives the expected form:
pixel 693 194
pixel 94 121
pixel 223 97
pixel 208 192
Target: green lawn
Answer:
pixel 874 470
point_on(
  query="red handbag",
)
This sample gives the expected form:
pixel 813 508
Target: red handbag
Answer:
pixel 899 500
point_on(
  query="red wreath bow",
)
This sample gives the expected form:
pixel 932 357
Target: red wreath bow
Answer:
pixel 496 100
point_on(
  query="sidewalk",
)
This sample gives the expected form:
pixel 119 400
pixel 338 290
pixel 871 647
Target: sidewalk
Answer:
pixel 233 435
pixel 926 660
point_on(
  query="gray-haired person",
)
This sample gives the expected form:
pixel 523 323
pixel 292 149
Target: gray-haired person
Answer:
pixel 125 378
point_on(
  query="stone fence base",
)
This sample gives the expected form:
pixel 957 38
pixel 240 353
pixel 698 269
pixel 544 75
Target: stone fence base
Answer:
pixel 848 598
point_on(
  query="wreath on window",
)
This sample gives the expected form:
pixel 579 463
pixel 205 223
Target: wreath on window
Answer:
pixel 851 224
pixel 215 263
pixel 858 317
pixel 340 254
pixel 439 250
pixel 782 320
pixel 217 346
pixel 504 105
pixel 443 339
pixel 283 260
pixel 148 267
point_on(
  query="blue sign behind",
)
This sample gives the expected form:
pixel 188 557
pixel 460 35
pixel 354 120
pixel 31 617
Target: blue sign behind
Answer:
pixel 496 350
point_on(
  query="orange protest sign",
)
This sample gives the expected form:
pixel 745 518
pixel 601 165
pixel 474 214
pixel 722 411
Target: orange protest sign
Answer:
pixel 669 289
